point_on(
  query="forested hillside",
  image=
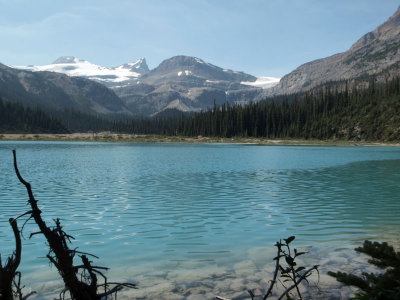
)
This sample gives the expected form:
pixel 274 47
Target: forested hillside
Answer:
pixel 14 118
pixel 326 113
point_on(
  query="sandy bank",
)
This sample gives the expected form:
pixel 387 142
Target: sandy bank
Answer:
pixel 135 138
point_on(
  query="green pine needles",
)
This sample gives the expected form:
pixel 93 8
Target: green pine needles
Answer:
pixel 377 287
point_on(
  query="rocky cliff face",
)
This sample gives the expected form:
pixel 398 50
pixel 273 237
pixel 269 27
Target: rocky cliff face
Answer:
pixel 377 52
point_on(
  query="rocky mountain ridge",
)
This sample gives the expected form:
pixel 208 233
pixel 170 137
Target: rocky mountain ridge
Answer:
pixel 376 53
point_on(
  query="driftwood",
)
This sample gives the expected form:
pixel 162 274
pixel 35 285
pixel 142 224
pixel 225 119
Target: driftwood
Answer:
pixel 80 281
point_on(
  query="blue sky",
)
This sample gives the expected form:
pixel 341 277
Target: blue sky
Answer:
pixel 260 37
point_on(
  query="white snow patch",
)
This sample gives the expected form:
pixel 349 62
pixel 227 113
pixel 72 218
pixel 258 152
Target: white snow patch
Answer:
pixel 263 82
pixel 187 72
pixel 84 68
pixel 119 86
pixel 199 60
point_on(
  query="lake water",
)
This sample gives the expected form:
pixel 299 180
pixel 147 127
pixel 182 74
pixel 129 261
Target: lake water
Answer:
pixel 160 212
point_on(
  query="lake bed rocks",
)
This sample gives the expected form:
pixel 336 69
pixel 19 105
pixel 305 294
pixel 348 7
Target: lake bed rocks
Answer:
pixel 234 282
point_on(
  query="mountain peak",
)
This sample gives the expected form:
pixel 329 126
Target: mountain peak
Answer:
pixel 139 66
pixel 389 29
pixel 184 60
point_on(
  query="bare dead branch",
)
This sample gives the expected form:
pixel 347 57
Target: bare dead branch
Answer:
pixel 35 233
pixel 28 295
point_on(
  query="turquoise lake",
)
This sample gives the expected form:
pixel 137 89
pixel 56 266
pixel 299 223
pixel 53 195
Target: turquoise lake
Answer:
pixel 151 209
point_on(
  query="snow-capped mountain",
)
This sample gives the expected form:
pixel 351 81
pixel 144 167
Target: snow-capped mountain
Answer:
pixel 72 66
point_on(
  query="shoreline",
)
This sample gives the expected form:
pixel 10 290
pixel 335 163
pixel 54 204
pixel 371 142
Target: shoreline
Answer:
pixel 147 138
pixel 232 282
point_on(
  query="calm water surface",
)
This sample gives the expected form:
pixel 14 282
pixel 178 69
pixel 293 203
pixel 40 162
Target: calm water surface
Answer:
pixel 149 207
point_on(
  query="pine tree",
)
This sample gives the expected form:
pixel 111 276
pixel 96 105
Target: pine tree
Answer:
pixel 376 287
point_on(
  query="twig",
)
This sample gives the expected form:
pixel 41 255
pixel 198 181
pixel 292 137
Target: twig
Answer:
pixel 273 281
pixel 301 278
pixel 28 295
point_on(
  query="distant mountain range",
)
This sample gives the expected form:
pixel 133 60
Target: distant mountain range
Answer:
pixel 181 82
pixel 188 83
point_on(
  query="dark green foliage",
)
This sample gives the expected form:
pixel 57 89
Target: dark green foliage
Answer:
pixel 290 272
pixel 15 118
pixel 381 286
pixel 77 121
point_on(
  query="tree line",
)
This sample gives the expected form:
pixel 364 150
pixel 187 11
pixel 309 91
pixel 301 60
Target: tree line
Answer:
pixel 15 118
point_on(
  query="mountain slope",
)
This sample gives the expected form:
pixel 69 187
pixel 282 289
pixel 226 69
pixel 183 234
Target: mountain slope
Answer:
pixel 54 91
pixel 375 53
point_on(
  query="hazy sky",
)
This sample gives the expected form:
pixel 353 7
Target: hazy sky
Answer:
pixel 260 37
